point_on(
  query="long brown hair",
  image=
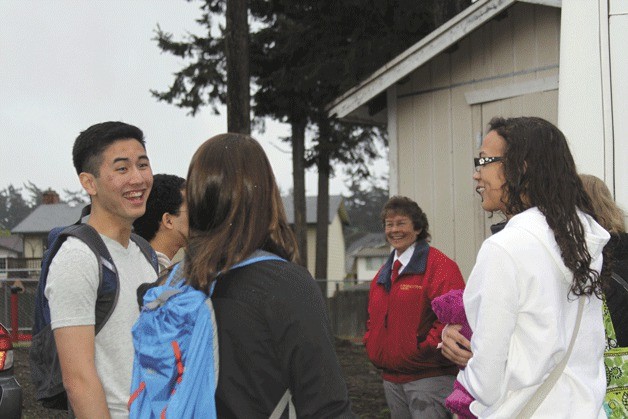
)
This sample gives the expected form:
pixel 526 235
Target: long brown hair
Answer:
pixel 234 208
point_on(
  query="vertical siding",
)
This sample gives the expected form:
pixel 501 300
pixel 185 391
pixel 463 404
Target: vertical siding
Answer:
pixel 437 130
pixel 465 202
pixel 548 35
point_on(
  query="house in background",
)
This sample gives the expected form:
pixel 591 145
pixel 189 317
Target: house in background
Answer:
pixel 366 255
pixel 335 243
pixel 35 227
pixel 495 58
pixel 10 249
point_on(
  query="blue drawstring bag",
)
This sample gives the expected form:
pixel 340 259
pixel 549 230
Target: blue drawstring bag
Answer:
pixel 176 353
pixel 175 369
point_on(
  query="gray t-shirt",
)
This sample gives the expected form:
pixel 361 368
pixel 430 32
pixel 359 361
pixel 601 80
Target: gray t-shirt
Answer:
pixel 71 290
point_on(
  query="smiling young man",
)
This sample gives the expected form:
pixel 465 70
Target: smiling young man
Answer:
pixel 402 330
pixel 110 159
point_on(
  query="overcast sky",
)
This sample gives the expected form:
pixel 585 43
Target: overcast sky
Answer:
pixel 67 64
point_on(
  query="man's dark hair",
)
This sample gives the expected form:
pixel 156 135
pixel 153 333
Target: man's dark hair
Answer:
pixel 90 144
pixel 401 205
pixel 165 197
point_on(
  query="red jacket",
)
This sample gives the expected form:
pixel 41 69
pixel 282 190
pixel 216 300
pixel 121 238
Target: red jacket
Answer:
pixel 402 331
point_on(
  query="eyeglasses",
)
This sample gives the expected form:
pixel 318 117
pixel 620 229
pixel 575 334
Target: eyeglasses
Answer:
pixel 483 161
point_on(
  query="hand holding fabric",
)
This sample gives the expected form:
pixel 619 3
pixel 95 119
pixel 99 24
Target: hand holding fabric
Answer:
pixel 449 308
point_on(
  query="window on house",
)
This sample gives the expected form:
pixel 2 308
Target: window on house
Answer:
pixel 374 263
pixel 3 267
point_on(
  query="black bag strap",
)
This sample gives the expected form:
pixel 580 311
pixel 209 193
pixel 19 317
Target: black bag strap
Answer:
pixel 107 295
pixel 87 209
pixel 621 281
pixel 285 401
pixel 144 246
pixel 147 250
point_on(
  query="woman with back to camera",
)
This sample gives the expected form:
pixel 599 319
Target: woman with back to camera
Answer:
pixel 272 323
pixel 522 297
pixel 611 217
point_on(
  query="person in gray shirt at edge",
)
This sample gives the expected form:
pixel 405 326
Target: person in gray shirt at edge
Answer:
pixel 113 168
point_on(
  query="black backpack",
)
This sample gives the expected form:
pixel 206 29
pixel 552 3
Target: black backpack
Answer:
pixel 44 361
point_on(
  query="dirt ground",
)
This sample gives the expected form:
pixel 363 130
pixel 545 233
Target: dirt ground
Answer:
pixel 363 381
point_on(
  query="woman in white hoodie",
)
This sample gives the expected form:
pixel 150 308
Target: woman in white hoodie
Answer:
pixel 522 296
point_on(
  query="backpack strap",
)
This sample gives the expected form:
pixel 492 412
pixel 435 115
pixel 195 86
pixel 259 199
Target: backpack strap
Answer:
pixel 147 250
pixel 87 209
pixel 174 273
pixel 543 390
pixel 258 256
pixel 108 281
pixel 139 240
pixel 56 238
pixel 286 400
pixel 609 329
pixel 621 281
pixel 161 299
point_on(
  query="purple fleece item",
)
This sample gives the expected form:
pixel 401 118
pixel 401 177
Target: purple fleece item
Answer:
pixel 449 309
pixel 459 401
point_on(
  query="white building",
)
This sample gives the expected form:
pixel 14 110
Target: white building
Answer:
pixel 562 61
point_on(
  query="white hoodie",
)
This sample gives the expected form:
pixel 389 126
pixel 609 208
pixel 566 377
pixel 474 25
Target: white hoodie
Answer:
pixel 518 304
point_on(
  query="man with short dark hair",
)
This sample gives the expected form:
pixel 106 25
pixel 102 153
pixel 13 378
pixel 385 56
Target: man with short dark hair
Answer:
pixel 165 223
pixel 110 159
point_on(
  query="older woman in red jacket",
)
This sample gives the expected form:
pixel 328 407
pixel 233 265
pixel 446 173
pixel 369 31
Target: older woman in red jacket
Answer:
pixel 402 330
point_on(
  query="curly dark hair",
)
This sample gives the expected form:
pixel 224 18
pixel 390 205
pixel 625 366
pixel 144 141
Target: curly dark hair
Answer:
pixel 402 205
pixel 166 196
pixel 540 172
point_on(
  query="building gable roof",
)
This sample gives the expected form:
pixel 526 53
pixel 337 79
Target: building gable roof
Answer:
pixel 370 240
pixel 336 206
pixel 372 244
pixel 12 243
pixel 45 217
pixel 349 105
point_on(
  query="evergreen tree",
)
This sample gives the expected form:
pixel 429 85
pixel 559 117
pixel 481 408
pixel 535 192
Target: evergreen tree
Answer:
pixel 364 206
pixel 36 195
pixel 13 207
pixel 302 56
pixel 79 197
